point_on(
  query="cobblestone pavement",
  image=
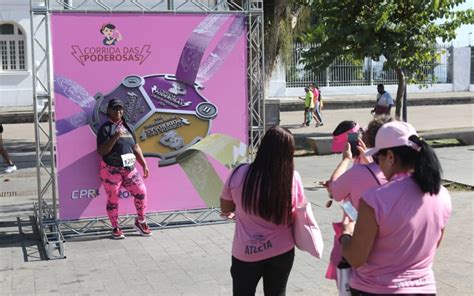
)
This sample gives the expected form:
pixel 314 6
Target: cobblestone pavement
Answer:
pixel 196 260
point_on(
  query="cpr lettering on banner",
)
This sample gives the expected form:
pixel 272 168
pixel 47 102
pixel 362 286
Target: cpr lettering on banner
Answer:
pixel 84 193
pixel 93 193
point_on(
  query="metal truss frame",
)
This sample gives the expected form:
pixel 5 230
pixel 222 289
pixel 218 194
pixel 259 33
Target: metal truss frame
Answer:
pixel 52 230
pixel 101 225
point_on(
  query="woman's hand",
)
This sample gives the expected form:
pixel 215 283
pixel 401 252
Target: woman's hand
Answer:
pixel 145 172
pixel 347 225
pixel 228 215
pixel 362 148
pixel 357 249
pixel 227 209
pixel 347 153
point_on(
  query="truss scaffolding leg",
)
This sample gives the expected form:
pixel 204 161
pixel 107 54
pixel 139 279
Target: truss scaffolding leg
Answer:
pixel 45 209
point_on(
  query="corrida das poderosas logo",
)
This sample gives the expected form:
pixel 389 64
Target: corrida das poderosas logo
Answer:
pixel 109 50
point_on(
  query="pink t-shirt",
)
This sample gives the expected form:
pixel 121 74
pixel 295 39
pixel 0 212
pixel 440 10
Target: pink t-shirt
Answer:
pixel 350 186
pixel 256 239
pixel 410 224
pixel 356 181
pixel 315 96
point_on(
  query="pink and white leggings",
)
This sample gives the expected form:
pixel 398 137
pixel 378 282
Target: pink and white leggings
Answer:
pixel 113 178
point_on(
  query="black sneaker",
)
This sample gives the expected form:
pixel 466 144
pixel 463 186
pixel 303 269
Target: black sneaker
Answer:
pixel 142 228
pixel 117 233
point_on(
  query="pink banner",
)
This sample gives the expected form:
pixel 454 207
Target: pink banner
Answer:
pixel 149 62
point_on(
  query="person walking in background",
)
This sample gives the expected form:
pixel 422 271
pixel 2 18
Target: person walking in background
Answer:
pixel 263 196
pixel 118 147
pixel 318 105
pixel 400 224
pixel 11 167
pixel 384 102
pixel 349 184
pixel 308 106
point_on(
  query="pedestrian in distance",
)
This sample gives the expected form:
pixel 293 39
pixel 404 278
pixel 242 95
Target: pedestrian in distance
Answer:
pixel 308 106
pixel 400 224
pixel 348 184
pixel 117 145
pixel 384 102
pixel 11 167
pixel 263 196
pixel 318 105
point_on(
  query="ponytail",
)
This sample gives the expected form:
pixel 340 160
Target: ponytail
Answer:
pixel 428 170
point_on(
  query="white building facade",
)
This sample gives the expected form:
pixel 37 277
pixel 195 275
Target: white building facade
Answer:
pixel 16 82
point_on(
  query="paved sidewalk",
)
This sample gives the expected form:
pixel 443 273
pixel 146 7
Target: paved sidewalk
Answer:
pixel 368 101
pixel 196 260
pixel 423 118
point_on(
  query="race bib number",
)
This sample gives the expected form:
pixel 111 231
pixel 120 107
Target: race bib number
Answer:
pixel 128 160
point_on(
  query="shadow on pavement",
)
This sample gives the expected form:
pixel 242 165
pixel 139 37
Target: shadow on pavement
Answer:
pixel 20 145
pixel 23 154
pixel 22 234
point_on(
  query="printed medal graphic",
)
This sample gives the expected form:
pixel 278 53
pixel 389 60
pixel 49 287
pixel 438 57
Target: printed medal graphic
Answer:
pixel 167 111
pixel 168 115
pixel 171 112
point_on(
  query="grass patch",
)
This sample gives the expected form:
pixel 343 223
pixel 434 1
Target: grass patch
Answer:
pixel 453 186
pixel 439 143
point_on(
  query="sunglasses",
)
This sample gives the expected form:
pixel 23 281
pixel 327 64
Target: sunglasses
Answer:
pixel 117 108
pixel 375 157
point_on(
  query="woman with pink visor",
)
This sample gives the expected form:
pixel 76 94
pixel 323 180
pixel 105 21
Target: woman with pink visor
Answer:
pixel 401 223
pixel 349 184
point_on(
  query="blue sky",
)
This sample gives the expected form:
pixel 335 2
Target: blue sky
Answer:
pixel 465 34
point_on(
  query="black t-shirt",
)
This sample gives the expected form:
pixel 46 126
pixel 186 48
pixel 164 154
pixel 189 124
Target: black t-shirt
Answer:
pixel 124 144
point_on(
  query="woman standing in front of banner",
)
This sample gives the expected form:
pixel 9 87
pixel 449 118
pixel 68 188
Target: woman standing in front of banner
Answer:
pixel 261 195
pixel 119 149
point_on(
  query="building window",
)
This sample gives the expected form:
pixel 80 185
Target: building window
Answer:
pixel 12 48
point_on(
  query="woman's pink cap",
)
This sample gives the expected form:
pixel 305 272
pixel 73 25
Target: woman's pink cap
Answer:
pixel 393 134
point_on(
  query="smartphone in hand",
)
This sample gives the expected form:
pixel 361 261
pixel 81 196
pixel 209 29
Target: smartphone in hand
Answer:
pixel 353 139
pixel 349 209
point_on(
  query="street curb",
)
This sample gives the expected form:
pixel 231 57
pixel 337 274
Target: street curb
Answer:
pixel 464 135
pixel 20 117
pixel 298 105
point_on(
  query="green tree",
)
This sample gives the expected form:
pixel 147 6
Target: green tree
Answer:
pixel 283 20
pixel 404 32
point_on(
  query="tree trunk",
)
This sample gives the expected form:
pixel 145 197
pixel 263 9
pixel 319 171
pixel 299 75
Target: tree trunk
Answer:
pixel 274 13
pixel 400 92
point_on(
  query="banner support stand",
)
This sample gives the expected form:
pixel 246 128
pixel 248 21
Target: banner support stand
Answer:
pixel 49 227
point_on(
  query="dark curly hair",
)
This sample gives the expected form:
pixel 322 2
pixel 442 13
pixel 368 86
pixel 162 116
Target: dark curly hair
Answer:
pixel 369 135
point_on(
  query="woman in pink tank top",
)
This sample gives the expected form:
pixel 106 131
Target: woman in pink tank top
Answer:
pixel 400 224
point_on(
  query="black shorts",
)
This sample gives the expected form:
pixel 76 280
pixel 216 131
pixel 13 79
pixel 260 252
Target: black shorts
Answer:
pixel 1 128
